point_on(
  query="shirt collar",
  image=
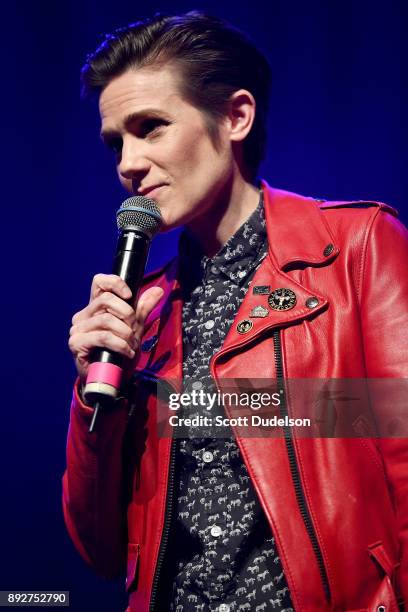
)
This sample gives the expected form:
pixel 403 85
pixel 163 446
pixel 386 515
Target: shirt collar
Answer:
pixel 235 260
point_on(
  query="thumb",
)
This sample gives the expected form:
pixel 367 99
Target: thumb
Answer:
pixel 147 302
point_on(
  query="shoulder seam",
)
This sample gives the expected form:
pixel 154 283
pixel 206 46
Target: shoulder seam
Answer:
pixel 325 205
pixel 364 254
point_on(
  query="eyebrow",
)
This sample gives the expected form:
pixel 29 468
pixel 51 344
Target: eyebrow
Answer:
pixel 148 113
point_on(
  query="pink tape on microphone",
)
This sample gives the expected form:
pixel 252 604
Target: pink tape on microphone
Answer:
pixel 107 373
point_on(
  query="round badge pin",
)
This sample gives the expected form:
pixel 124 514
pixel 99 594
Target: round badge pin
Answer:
pixel 282 299
pixel 244 326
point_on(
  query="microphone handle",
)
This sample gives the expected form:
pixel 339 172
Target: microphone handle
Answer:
pixel 104 378
pixel 130 258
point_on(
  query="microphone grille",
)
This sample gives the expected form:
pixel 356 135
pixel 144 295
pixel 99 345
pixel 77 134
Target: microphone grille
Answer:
pixel 139 213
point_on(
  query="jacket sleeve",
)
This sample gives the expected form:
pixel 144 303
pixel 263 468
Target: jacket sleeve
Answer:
pixel 384 306
pixel 93 497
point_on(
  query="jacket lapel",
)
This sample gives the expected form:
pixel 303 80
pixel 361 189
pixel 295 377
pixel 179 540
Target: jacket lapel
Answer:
pixel 297 230
pixel 287 217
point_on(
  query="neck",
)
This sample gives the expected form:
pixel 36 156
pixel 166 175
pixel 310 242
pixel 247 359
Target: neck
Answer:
pixel 236 203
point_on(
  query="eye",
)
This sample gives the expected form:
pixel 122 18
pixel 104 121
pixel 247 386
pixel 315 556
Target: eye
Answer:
pixel 150 127
pixel 114 144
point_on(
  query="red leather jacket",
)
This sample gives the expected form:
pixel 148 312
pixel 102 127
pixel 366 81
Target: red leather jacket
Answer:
pixel 338 508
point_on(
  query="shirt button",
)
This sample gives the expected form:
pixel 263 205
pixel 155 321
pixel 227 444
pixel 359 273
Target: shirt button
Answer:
pixel 224 608
pixel 216 531
pixel 209 324
pixel 197 384
pixel 214 269
pixel 208 456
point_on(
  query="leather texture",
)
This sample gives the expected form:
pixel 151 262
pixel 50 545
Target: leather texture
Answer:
pixel 353 258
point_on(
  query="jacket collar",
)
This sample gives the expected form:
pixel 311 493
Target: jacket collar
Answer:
pixel 297 234
pixel 297 231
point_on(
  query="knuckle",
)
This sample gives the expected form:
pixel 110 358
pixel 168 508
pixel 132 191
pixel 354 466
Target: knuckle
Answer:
pixel 130 315
pixel 104 299
pixel 106 319
pixel 75 318
pixel 114 281
pixel 123 345
pixel 105 336
pixel 73 346
pixel 109 297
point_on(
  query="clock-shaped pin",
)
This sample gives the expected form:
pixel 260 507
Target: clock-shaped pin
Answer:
pixel 282 299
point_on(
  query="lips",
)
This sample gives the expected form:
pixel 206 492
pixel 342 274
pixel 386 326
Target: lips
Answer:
pixel 145 191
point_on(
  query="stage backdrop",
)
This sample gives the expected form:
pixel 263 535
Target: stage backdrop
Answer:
pixel 338 129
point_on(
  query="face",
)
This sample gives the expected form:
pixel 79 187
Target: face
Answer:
pixel 162 146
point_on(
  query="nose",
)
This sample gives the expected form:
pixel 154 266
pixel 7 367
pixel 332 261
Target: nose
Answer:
pixel 133 161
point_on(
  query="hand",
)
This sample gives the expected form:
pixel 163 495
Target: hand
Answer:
pixel 110 322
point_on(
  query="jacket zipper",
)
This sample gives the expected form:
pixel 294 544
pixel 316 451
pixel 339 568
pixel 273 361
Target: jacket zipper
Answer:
pixel 166 527
pixel 294 469
pixel 148 376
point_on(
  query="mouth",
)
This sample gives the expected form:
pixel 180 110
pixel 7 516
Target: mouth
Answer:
pixel 150 191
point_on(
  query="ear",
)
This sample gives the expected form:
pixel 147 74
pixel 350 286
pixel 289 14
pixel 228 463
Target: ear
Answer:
pixel 241 114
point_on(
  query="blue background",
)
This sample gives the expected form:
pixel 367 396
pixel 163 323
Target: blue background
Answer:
pixel 338 129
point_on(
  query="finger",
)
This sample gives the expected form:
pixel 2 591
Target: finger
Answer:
pixel 85 342
pixel 106 321
pixel 107 302
pixel 147 302
pixel 112 283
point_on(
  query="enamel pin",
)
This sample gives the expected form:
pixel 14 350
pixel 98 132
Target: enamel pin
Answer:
pixel 244 326
pixel 282 299
pixel 261 289
pixel 259 312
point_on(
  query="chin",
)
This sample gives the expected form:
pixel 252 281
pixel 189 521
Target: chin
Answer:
pixel 171 221
pixel 168 226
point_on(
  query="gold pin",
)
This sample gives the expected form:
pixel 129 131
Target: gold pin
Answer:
pixel 282 299
pixel 244 326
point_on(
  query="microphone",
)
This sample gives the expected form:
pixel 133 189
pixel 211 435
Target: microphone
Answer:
pixel 138 220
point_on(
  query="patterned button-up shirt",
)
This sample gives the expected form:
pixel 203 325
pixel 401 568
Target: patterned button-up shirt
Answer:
pixel 222 554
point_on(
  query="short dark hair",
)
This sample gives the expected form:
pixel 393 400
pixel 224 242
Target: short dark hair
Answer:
pixel 215 58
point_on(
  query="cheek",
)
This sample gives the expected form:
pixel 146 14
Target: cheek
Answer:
pixel 192 150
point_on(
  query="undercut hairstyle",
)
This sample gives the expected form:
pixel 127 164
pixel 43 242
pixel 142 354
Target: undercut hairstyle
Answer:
pixel 215 60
